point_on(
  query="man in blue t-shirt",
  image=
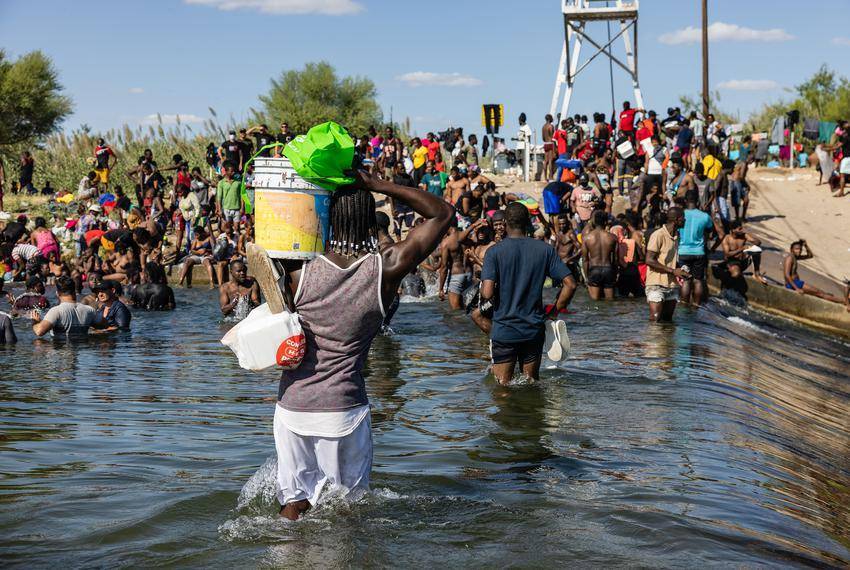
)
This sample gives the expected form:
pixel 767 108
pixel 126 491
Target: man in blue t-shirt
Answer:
pixel 512 280
pixel 692 251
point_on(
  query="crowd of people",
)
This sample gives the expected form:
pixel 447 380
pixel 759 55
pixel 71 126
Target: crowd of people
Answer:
pixel 685 200
pixel 420 215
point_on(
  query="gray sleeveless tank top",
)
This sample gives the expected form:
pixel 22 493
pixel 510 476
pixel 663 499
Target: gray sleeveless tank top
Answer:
pixel 341 312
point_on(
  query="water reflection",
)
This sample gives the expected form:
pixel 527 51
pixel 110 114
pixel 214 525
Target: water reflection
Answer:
pixel 721 440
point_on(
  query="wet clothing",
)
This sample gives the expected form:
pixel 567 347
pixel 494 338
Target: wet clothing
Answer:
pixel 322 427
pixel 305 463
pixel 329 378
pixel 519 266
pixel 152 297
pixel 72 319
pixel 118 315
pixel 604 276
pixel 521 352
pixel 7 331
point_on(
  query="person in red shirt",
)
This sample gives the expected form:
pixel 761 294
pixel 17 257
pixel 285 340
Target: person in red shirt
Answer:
pixel 627 120
pixel 560 139
pixel 432 145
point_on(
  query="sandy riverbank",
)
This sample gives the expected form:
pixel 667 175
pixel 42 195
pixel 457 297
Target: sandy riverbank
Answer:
pixel 786 205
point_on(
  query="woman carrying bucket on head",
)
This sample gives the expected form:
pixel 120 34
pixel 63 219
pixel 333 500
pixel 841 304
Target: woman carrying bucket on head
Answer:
pixel 321 426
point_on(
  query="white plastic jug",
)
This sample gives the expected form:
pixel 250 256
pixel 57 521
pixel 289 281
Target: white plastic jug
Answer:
pixel 263 340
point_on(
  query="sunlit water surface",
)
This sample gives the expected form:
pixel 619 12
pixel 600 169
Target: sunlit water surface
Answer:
pixel 721 440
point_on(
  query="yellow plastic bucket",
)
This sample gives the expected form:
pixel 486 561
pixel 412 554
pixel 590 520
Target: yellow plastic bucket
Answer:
pixel 290 214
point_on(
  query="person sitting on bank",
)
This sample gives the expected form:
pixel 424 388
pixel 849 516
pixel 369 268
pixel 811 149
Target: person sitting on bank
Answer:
pixel 792 277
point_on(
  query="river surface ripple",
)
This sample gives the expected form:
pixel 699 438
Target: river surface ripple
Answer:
pixel 723 440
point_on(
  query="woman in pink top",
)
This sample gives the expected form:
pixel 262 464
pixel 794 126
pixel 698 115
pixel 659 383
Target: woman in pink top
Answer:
pixel 45 241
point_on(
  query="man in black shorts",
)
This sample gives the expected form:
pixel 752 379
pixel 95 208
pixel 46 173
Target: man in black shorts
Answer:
pixel 599 252
pixel 516 267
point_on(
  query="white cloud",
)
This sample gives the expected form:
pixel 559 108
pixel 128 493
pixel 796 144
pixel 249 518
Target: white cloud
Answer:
pixel 841 41
pixel 168 119
pixel 420 78
pixel 136 90
pixel 723 32
pixel 325 7
pixel 749 84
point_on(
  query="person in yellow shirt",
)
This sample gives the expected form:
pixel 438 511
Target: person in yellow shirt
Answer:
pixel 420 157
pixel 711 164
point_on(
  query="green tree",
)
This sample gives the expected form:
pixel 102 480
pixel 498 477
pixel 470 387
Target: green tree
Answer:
pixel 688 103
pixel 31 103
pixel 315 94
pixel 818 91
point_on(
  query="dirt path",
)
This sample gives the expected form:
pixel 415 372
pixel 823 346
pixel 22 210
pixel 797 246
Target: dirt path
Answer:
pixel 787 205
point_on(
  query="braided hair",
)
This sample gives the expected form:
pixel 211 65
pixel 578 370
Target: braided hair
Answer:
pixel 354 228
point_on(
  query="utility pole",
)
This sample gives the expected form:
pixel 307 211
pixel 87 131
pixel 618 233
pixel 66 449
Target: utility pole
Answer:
pixel 704 58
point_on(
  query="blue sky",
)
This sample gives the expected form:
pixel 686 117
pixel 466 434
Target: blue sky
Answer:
pixel 435 62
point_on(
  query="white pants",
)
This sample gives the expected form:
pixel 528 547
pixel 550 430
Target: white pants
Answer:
pixel 306 463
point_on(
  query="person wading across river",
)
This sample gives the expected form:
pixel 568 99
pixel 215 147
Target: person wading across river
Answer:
pixel 599 252
pixel 662 289
pixel 512 280
pixel 322 427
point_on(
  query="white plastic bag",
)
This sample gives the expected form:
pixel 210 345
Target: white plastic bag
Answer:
pixel 263 340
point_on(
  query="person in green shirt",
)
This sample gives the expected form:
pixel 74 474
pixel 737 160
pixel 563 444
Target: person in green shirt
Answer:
pixel 433 181
pixel 228 197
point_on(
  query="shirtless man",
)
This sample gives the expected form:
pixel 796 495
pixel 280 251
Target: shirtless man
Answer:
pixel 740 190
pixel 792 278
pixel 738 252
pixel 566 243
pixel 240 286
pixel 550 153
pixel 599 253
pixel 483 242
pixel 454 260
pixel 456 186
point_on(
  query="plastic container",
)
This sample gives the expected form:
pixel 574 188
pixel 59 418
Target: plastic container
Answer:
pixel 290 214
pixel 263 340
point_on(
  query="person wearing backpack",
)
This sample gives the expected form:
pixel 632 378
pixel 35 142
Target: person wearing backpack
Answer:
pixel 654 165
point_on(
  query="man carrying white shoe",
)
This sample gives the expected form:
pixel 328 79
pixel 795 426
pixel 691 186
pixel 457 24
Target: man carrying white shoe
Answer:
pixel 512 280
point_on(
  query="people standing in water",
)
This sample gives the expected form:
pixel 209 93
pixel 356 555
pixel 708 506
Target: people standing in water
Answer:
pixel 240 288
pixel 693 249
pixel 322 426
pixel 68 318
pixel 7 331
pixel 512 281
pixel 115 313
pixel 662 289
pixel 599 254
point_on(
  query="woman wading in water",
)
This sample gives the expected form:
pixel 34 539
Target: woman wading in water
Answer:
pixel 322 427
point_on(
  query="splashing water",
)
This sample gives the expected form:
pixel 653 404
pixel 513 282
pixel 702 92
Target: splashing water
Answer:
pixel 243 307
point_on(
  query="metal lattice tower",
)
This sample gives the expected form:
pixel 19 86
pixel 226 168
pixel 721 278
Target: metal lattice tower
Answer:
pixel 577 13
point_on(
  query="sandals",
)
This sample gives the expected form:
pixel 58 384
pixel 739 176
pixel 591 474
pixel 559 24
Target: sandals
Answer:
pixel 261 267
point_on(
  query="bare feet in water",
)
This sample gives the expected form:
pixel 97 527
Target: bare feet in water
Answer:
pixel 760 278
pixel 294 510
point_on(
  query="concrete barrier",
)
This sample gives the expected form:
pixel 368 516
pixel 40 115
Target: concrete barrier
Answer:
pixel 804 309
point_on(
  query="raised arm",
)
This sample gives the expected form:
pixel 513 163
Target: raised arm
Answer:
pixel 403 256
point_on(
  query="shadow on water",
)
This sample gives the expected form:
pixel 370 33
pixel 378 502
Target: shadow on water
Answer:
pixel 720 440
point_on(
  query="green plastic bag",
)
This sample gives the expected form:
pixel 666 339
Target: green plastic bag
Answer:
pixel 322 155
